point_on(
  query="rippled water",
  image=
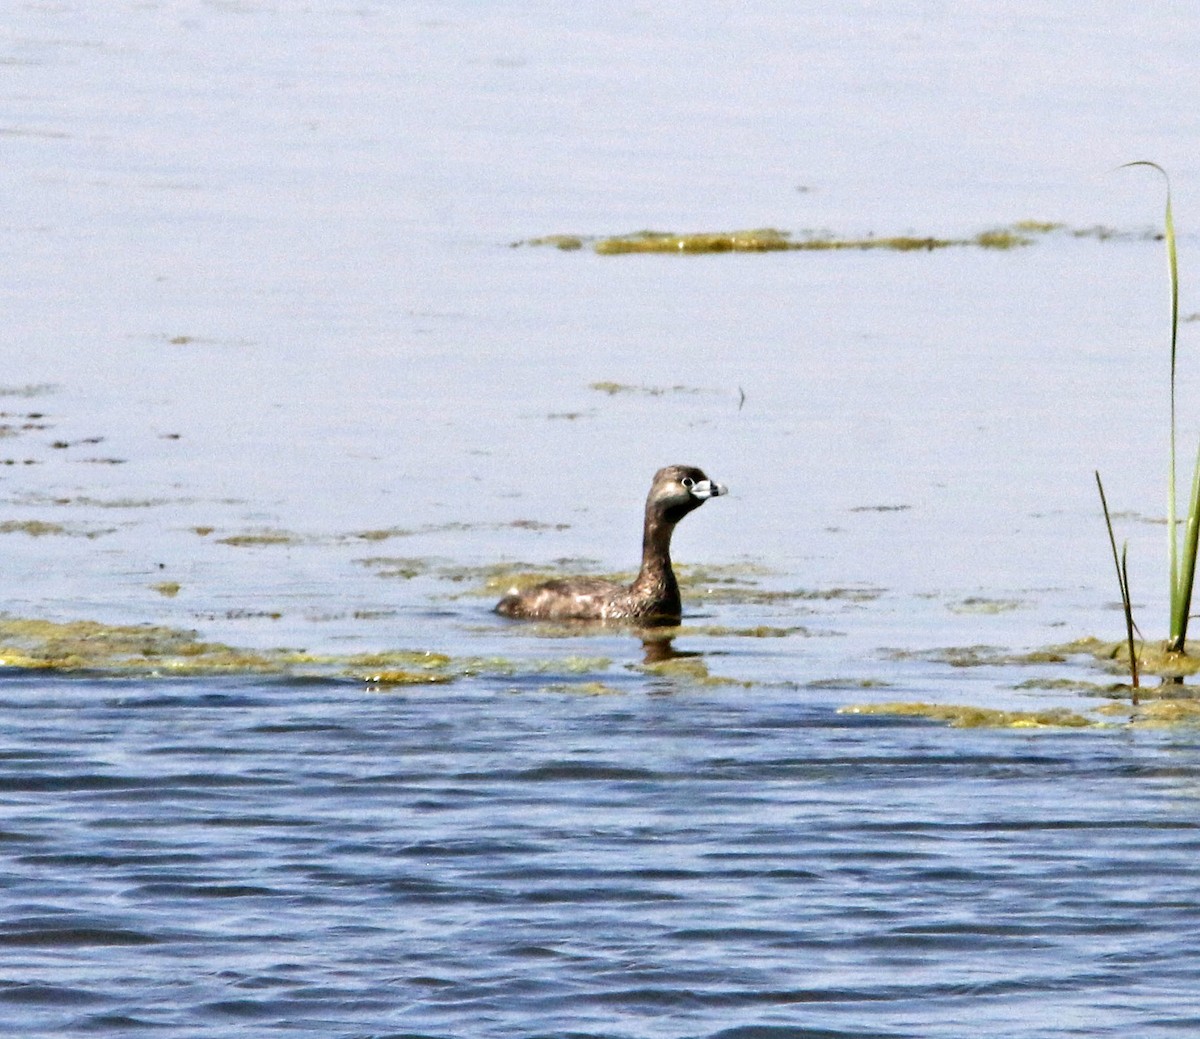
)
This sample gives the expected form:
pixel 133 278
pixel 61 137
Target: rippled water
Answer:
pixel 275 374
pixel 230 858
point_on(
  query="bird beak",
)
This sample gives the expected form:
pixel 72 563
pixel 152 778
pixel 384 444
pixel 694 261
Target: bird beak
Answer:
pixel 708 489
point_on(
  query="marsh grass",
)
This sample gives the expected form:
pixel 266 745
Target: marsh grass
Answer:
pixel 1122 564
pixel 1182 573
pixel 1181 556
pixel 1182 570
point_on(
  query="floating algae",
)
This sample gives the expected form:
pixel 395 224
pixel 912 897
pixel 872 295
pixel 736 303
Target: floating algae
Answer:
pixel 146 649
pixel 755 596
pixel 583 688
pixel 770 239
pixel 980 604
pixel 1156 714
pixel 759 631
pixel 89 645
pixel 757 241
pixel 34 528
pixel 613 388
pixel 985 656
pixel 261 537
pixel 400 567
pixel 965 716
pixel 399 678
pixel 848 683
pixel 1153 658
pixel 565 242
pixel 1075 685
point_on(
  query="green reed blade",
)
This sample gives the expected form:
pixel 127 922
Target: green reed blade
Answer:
pixel 1181 601
pixel 1122 564
pixel 1128 607
pixel 1181 577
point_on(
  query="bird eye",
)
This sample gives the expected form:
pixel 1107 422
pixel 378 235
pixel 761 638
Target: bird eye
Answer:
pixel 688 482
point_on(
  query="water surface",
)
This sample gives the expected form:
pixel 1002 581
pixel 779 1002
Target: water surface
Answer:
pixel 276 374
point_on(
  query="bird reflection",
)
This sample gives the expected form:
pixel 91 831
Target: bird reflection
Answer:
pixel 658 649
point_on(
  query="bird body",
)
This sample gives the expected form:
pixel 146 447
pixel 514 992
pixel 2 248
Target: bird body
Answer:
pixel 653 597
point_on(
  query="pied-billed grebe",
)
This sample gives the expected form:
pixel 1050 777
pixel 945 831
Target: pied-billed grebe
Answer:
pixel 653 598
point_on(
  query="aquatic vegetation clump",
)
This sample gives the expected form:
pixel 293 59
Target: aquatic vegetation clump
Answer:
pixel 759 631
pixel 1182 558
pixel 153 650
pixel 984 605
pixel 565 242
pixel 613 388
pixel 848 683
pixel 994 656
pixel 583 689
pixel 770 239
pixel 34 528
pixel 1038 226
pixel 259 538
pixel 406 678
pixel 966 716
pixel 1156 713
pixel 90 645
pixel 1152 658
pixel 755 241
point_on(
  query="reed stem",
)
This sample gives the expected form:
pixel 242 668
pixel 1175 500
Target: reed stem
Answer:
pixel 1122 564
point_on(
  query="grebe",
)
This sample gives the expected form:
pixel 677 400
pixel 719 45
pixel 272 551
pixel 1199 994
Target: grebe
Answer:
pixel 653 598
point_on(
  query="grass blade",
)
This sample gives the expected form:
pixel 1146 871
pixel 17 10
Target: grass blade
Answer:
pixel 1182 577
pixel 1187 574
pixel 1121 562
pixel 1128 608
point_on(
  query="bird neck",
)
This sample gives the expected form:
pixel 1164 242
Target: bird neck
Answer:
pixel 656 575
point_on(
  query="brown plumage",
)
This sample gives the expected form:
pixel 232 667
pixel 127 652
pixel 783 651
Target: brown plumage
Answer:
pixel 653 598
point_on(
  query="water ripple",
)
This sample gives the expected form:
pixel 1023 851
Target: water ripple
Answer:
pixel 613 871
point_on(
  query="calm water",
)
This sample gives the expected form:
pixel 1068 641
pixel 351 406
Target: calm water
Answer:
pixel 275 373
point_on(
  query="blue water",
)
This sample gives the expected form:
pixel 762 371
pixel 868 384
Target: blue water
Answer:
pixel 230 858
pixel 258 280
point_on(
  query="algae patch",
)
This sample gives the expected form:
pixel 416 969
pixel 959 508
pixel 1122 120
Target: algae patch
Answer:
pixel 565 242
pixel 770 239
pixel 1153 657
pixel 34 528
pixel 259 538
pixel 584 689
pixel 43 528
pixel 614 388
pixel 981 605
pixel 151 650
pixel 1154 714
pixel 964 716
pixel 405 678
pixel 985 656
pixel 89 645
